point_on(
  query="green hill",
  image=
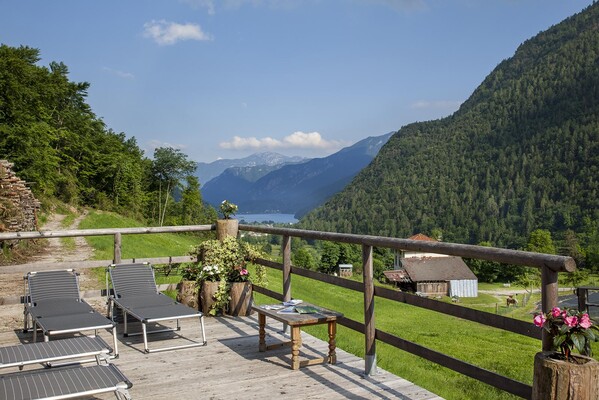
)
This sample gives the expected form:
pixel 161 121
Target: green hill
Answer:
pixel 522 153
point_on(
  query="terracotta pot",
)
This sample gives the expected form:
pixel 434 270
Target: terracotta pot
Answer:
pixel 241 299
pixel 187 293
pixel 558 379
pixel 226 227
pixel 207 291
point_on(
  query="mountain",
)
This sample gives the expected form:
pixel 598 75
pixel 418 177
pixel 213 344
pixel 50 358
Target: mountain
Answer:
pixel 295 188
pixel 208 171
pixel 522 153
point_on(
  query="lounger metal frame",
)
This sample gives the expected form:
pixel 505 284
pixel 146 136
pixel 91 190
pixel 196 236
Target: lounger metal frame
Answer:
pixel 61 383
pixel 71 349
pixel 135 292
pixel 65 383
pixel 57 302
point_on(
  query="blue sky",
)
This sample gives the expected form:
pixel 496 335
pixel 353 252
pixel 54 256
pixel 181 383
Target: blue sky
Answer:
pixel 228 78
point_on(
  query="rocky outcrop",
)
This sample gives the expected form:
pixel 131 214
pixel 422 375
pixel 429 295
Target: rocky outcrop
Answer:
pixel 18 206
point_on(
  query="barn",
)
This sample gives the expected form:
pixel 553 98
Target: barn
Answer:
pixel 433 274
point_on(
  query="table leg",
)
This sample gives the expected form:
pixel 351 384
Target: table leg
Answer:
pixel 261 332
pixel 332 344
pixel 296 342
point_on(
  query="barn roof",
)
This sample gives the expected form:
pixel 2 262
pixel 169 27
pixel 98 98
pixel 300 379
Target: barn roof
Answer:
pixel 420 236
pixel 437 269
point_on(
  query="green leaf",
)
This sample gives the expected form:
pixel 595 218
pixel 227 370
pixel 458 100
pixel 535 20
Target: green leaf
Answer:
pixel 579 342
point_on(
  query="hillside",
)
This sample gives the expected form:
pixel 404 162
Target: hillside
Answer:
pixel 294 188
pixel 521 153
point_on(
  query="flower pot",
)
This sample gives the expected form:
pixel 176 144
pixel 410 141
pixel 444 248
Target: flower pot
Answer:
pixel 226 227
pixel 555 378
pixel 241 300
pixel 207 292
pixel 187 293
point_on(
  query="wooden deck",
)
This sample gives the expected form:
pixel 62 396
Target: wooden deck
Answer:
pixel 231 367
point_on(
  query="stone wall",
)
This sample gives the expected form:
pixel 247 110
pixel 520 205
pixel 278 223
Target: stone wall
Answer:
pixel 18 206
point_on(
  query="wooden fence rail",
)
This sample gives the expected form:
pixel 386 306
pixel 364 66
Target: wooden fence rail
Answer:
pixel 549 265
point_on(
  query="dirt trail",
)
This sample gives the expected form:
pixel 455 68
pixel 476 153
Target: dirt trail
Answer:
pixel 12 284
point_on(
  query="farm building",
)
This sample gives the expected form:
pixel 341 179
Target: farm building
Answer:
pixel 433 274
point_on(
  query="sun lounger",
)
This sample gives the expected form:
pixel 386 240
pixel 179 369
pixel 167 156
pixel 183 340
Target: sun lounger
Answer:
pixel 54 305
pixel 65 383
pixel 71 349
pixel 134 291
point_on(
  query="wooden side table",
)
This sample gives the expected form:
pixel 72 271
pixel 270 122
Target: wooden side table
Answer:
pixel 295 322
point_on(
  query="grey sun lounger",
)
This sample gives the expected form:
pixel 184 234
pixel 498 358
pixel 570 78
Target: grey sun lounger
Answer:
pixel 71 349
pixel 65 383
pixel 54 305
pixel 134 291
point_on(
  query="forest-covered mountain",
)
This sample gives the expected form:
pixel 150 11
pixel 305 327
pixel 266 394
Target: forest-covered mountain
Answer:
pixel 294 188
pixel 522 153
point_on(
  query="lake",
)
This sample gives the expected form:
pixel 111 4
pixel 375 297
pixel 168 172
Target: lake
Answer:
pixel 276 218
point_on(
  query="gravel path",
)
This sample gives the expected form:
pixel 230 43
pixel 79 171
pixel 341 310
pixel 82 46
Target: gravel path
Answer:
pixel 11 284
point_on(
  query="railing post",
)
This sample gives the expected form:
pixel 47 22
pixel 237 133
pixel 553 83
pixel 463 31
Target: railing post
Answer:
pixel 286 251
pixel 117 248
pixel 369 326
pixel 549 296
pixel 582 295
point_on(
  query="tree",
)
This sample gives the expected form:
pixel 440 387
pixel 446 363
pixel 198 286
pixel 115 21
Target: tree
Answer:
pixel 540 241
pixel 329 258
pixel 304 258
pixel 169 166
pixel 192 208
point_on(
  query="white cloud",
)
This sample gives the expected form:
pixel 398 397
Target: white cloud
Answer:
pixel 167 33
pixel 120 74
pixel 297 140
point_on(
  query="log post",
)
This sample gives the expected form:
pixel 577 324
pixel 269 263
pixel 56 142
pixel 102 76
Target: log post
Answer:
pixel 369 326
pixel 226 227
pixel 556 379
pixel 117 248
pixel 549 297
pixel 286 251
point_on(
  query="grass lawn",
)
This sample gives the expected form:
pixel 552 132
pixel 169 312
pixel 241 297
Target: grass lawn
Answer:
pixel 134 246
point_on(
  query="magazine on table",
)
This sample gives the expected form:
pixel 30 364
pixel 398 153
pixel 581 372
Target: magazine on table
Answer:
pixel 299 310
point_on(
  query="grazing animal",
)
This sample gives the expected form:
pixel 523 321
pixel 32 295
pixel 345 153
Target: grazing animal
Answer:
pixel 511 300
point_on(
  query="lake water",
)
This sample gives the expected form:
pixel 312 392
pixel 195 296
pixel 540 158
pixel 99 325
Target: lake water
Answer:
pixel 276 218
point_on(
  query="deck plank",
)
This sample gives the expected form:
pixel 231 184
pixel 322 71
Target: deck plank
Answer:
pixel 231 367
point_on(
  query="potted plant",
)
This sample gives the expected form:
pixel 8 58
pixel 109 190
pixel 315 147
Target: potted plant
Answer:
pixel 227 226
pixel 187 289
pixel 234 292
pixel 212 288
pixel 562 374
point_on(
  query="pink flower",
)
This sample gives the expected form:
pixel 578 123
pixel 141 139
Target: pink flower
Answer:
pixel 571 321
pixel 585 321
pixel 539 320
pixel 243 271
pixel 556 312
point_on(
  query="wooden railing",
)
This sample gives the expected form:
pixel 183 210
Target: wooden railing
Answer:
pixel 550 266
